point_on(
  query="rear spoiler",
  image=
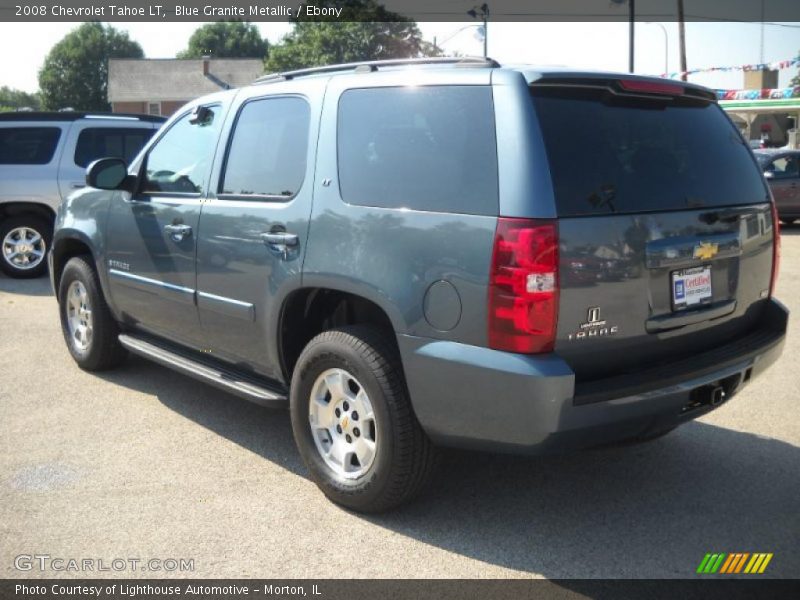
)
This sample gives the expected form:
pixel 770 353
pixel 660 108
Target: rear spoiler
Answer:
pixel 634 86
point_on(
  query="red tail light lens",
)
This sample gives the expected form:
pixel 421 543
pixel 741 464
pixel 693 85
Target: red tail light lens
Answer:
pixel 776 248
pixel 523 286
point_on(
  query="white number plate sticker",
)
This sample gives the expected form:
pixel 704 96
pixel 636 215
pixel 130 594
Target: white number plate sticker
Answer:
pixel 691 287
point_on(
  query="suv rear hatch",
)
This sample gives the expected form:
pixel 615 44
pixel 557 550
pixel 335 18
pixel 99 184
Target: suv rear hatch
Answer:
pixel 664 223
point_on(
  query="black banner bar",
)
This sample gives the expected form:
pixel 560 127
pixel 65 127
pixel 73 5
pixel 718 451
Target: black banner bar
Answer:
pixel 419 10
pixel 417 589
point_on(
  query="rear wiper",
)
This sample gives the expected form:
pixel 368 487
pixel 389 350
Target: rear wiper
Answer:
pixel 605 197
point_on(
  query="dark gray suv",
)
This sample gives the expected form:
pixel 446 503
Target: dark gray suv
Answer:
pixel 412 254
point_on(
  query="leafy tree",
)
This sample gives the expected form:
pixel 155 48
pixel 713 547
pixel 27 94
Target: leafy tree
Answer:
pixel 226 39
pixel 365 30
pixel 796 79
pixel 11 99
pixel 75 72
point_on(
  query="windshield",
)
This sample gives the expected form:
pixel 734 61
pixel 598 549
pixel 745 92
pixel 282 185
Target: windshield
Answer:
pixel 618 154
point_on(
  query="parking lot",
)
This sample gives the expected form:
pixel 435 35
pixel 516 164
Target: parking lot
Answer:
pixel 142 462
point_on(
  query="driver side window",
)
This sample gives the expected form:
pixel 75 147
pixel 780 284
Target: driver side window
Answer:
pixel 179 162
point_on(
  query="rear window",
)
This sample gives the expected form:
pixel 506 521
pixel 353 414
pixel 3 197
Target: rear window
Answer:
pixel 106 142
pixel 28 145
pixel 612 154
pixel 423 148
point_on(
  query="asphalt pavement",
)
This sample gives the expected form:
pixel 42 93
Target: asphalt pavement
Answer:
pixel 145 464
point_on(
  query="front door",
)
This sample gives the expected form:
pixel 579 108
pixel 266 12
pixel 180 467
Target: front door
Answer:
pixel 253 229
pixel 151 234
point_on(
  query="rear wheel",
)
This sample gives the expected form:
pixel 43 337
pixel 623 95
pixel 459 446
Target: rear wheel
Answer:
pixel 89 328
pixel 353 422
pixel 24 242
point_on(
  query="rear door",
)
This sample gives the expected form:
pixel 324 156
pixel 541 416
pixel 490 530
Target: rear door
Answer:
pixel 254 226
pixel 664 224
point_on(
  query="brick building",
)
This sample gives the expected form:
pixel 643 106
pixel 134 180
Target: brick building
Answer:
pixel 161 86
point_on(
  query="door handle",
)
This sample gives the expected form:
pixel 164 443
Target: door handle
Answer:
pixel 280 238
pixel 178 231
pixel 76 186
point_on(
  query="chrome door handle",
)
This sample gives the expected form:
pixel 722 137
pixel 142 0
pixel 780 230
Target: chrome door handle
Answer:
pixel 178 231
pixel 280 238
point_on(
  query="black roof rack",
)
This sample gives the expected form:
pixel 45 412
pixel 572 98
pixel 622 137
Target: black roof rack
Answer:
pixel 71 115
pixel 375 65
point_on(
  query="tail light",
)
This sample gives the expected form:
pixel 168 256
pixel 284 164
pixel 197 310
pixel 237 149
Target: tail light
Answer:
pixel 776 248
pixel 523 286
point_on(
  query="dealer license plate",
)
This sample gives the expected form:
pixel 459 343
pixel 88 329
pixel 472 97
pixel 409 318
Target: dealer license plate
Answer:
pixel 691 287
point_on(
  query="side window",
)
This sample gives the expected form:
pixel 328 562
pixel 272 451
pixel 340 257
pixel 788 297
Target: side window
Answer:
pixel 28 145
pixel 97 142
pixel 179 162
pixel 785 167
pixel 268 151
pixel 425 148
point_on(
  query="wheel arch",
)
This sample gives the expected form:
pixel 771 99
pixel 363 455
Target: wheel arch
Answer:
pixel 309 311
pixel 66 245
pixel 17 208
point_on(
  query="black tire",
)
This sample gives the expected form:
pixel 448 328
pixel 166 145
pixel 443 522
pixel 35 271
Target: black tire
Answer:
pixel 32 222
pixel 103 351
pixel 404 457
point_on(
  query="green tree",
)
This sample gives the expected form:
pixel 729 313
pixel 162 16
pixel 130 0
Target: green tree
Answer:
pixel 796 79
pixel 75 72
pixel 11 99
pixel 226 39
pixel 365 30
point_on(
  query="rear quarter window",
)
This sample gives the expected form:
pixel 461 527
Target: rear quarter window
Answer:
pixel 615 154
pixel 423 148
pixel 28 145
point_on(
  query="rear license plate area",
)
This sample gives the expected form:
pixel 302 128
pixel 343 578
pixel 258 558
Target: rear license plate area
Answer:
pixel 691 287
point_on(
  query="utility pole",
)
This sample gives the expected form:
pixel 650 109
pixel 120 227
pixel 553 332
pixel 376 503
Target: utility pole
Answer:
pixel 631 23
pixel 631 29
pixel 682 40
pixel 482 11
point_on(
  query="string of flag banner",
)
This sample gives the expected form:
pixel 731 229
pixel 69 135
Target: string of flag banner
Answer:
pixel 757 94
pixel 765 94
pixel 773 66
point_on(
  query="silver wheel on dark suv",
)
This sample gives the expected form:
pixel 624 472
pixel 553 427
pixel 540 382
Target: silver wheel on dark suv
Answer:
pixel 343 423
pixel 89 327
pixel 353 421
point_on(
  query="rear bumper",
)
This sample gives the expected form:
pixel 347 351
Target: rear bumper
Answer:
pixel 473 397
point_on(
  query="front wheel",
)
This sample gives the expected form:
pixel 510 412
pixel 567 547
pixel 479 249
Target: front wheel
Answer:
pixel 24 242
pixel 89 328
pixel 353 422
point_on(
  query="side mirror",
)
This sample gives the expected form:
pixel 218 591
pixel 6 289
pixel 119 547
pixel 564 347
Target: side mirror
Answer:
pixel 107 174
pixel 769 175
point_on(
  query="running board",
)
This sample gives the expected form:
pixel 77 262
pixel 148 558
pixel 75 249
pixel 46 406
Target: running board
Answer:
pixel 234 383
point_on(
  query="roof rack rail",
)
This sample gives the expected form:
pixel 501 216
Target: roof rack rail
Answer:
pixel 71 115
pixel 375 65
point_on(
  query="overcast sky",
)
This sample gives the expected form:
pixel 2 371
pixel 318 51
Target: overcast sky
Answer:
pixel 23 46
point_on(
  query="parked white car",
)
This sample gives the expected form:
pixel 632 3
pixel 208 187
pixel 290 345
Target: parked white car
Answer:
pixel 43 158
